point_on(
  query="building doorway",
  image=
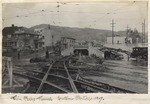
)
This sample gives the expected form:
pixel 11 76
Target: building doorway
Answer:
pixel 84 52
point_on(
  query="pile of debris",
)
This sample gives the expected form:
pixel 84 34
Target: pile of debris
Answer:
pixel 87 63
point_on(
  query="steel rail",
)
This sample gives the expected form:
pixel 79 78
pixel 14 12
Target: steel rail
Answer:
pixel 34 79
pixel 71 80
pixel 63 76
pixel 58 76
pixel 44 73
pixel 27 70
pixel 101 89
pixel 44 78
pixel 59 87
pixel 27 76
pixel 64 69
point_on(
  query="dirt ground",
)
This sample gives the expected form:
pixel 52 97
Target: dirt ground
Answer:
pixel 130 75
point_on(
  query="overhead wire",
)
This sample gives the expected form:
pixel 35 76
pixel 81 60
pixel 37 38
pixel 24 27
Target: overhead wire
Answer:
pixel 30 13
pixel 58 6
pixel 47 10
pixel 113 11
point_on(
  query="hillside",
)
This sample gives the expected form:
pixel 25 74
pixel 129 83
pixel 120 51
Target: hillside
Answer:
pixel 78 33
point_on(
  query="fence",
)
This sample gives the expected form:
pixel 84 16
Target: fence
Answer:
pixel 7 66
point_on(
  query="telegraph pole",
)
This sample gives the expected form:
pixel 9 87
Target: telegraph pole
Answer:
pixel 106 38
pixel 127 31
pixel 112 25
pixel 143 32
pixel 51 35
pixel 127 27
pixel 58 11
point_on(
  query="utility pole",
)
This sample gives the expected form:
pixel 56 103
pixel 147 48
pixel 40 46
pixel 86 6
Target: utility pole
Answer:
pixel 58 6
pixel 52 37
pixel 112 25
pixel 127 31
pixel 143 32
pixel 127 27
pixel 106 38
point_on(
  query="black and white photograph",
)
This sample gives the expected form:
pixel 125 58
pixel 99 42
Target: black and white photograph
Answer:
pixel 75 47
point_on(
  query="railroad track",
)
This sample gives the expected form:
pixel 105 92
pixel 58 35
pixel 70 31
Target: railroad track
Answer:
pixel 58 78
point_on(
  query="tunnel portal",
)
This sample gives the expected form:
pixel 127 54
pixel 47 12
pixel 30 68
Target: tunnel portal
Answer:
pixel 81 51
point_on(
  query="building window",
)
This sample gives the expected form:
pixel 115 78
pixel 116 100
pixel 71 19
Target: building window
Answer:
pixel 63 41
pixel 27 35
pixel 36 36
pixel 15 44
pixel 9 36
pixel 16 36
pixel 8 43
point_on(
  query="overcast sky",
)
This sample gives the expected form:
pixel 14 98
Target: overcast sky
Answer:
pixel 90 15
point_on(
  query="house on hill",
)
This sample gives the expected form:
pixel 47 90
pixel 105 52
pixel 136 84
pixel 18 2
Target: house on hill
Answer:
pixel 20 38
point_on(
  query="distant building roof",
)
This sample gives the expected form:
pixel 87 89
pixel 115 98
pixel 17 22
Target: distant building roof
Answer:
pixel 81 47
pixel 68 38
pixel 17 30
pixel 10 30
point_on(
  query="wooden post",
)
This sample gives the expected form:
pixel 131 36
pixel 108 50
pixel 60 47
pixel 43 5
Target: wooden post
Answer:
pixel 112 25
pixel 11 73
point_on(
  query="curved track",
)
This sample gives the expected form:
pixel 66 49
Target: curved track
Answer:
pixel 58 78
